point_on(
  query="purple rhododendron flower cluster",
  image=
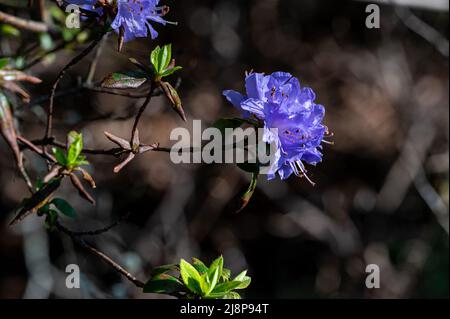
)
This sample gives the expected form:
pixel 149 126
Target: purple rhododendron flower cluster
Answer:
pixel 278 101
pixel 133 16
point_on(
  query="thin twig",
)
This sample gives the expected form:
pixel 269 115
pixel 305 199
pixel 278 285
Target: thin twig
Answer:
pixel 99 231
pixel 112 151
pixel 74 61
pixel 93 66
pixel 20 23
pixel 140 112
pixel 93 88
pixel 118 268
pixel 32 146
pixel 42 11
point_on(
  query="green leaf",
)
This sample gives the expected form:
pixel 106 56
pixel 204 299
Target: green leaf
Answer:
pixel 205 285
pixel 213 279
pixel 60 156
pixel 154 58
pixel 170 71
pixel 163 269
pixel 241 276
pixel 191 277
pixel 232 295
pixel 243 279
pixel 245 283
pixel 9 30
pixel 3 62
pixel 80 161
pixel 124 80
pixel 199 265
pixel 39 183
pixel 164 58
pixel 64 207
pixel 44 210
pixel 75 141
pixel 216 264
pixel 226 274
pixel 50 219
pixel 224 288
pixel 163 284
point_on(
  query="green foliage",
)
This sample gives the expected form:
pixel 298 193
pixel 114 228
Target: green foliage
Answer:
pixel 60 156
pixel 72 158
pixel 75 146
pixel 8 30
pixel 64 207
pixel 161 60
pixel 196 280
pixel 160 57
pixel 191 278
pixel 163 284
pixel 162 65
pixel 3 62
pixel 51 218
pixel 169 71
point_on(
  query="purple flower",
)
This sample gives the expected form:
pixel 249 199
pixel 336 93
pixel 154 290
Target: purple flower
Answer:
pixel 278 101
pixel 132 17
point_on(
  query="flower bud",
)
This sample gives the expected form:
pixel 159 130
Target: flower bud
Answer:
pixel 174 98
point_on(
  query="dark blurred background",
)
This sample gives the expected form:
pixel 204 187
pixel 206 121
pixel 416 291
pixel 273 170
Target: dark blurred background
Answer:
pixel 382 190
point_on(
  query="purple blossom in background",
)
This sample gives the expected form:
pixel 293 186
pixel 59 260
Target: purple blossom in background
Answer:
pixel 133 16
pixel 280 103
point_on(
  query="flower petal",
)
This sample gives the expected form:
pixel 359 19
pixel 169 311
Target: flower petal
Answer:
pixel 256 85
pixel 254 106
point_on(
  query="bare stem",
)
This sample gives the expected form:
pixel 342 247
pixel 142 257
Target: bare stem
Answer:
pixel 118 268
pixel 141 111
pixel 20 23
pixel 74 61
pixel 99 231
pixel 93 66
